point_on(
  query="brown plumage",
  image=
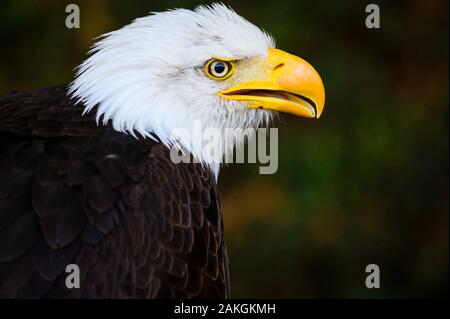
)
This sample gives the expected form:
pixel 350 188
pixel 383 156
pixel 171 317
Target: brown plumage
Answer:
pixel 138 225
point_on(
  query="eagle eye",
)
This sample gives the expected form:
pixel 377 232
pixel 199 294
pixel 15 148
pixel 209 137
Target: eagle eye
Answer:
pixel 218 69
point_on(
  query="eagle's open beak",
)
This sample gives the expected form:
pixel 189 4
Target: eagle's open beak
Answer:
pixel 290 85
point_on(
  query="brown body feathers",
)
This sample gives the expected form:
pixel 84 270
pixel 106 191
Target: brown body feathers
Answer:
pixel 72 192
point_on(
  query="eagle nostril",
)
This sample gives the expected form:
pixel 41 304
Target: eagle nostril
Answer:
pixel 278 66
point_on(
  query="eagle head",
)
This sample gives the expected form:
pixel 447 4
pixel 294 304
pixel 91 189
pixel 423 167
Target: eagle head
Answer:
pixel 209 65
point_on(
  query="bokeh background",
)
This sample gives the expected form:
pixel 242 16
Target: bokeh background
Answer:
pixel 367 183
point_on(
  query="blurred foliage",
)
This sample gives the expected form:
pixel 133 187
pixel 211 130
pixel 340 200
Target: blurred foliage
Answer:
pixel 367 183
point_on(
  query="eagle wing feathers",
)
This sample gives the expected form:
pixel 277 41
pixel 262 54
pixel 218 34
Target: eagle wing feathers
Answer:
pixel 72 192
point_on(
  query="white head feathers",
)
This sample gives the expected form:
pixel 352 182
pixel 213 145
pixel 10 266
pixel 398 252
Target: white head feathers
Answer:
pixel 148 76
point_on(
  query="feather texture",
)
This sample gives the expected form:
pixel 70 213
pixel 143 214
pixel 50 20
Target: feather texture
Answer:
pixel 138 225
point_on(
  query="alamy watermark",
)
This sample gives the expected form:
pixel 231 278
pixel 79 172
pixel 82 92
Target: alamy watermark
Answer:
pixel 373 17
pixel 216 146
pixel 373 277
pixel 73 17
pixel 73 277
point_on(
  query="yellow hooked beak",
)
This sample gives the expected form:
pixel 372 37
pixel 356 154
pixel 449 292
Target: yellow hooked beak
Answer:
pixel 289 84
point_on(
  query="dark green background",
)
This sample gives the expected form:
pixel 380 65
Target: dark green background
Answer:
pixel 367 183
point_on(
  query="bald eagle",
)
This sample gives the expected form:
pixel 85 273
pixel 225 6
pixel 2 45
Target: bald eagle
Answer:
pixel 86 176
